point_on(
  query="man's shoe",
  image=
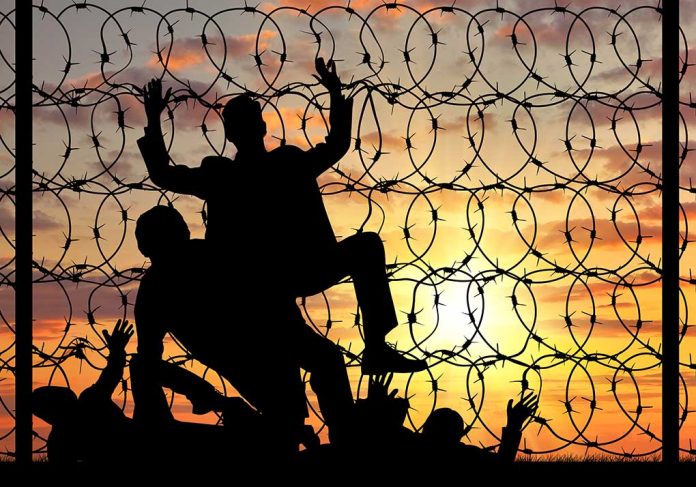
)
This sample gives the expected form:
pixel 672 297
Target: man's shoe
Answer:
pixel 382 359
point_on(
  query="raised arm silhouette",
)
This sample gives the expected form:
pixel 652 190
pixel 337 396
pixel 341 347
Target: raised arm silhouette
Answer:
pixel 380 418
pixel 91 428
pixel 293 243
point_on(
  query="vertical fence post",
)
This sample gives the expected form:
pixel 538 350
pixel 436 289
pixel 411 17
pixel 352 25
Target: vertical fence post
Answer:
pixel 670 231
pixel 23 231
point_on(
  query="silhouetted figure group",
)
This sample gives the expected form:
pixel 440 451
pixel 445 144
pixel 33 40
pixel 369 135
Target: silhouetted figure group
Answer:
pixel 252 334
pixel 92 429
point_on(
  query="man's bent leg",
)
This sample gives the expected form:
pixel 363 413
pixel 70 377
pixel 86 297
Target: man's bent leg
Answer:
pixel 361 256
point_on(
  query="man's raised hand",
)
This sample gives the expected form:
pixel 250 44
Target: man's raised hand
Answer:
pixel 119 337
pixel 327 75
pixel 154 102
pixel 519 414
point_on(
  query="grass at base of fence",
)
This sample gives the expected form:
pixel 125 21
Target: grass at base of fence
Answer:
pixel 596 458
pixel 522 459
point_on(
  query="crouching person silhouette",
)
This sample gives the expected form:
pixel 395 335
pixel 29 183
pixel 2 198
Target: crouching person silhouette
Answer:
pixel 295 241
pixel 443 430
pixel 92 429
pixel 257 341
pixel 382 414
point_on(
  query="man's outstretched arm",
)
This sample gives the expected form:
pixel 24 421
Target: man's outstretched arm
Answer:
pixel 179 179
pixel 111 375
pixel 518 417
pixel 325 155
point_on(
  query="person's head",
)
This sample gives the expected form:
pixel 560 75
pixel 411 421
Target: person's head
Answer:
pixel 444 426
pixel 160 230
pixel 243 119
pixel 53 404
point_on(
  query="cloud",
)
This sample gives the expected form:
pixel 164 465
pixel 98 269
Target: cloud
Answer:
pixel 650 70
pixel 75 117
pixel 654 213
pixel 601 114
pixel 53 303
pixel 358 5
pixel 7 219
pixel 186 53
pixel 521 6
pixel 550 234
pixel 106 110
pixel 320 4
pixel 617 162
pixel 7 120
pixel 180 60
pixel 189 52
pixel 42 221
pixel 544 33
pixel 291 118
pixel 389 140
pixel 129 167
pixel 460 123
pixel 242 45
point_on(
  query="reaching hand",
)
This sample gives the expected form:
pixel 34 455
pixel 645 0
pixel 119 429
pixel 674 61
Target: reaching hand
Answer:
pixel 378 388
pixel 119 337
pixel 153 100
pixel 381 406
pixel 327 75
pixel 519 414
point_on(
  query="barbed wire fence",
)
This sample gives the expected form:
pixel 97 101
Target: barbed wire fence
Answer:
pixel 96 193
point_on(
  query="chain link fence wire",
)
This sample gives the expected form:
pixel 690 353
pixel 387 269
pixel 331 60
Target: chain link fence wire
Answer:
pixel 507 153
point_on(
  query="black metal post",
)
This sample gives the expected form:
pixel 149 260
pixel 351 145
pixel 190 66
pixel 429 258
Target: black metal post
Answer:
pixel 670 231
pixel 23 231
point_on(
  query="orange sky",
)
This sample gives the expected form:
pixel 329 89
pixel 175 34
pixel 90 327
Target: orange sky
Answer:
pixel 490 321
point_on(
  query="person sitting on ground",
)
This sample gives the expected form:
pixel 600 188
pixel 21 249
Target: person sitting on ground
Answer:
pixel 443 430
pixel 381 416
pixel 91 428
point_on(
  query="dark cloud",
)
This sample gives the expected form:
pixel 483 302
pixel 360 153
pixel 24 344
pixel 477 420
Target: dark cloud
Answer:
pixel 42 221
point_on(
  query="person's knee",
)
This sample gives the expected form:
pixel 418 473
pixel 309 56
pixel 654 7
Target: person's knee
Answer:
pixel 368 245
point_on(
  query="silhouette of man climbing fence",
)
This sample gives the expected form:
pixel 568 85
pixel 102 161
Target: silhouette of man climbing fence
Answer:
pixel 308 260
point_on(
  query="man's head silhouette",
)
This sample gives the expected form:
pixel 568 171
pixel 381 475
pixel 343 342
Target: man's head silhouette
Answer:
pixel 53 404
pixel 444 426
pixel 244 125
pixel 160 231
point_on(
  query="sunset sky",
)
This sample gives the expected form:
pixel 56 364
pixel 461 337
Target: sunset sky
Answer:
pixel 461 185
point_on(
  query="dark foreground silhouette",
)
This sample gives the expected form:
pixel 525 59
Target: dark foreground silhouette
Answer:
pixel 379 432
pixel 220 328
pixel 245 325
pixel 92 429
pixel 294 241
